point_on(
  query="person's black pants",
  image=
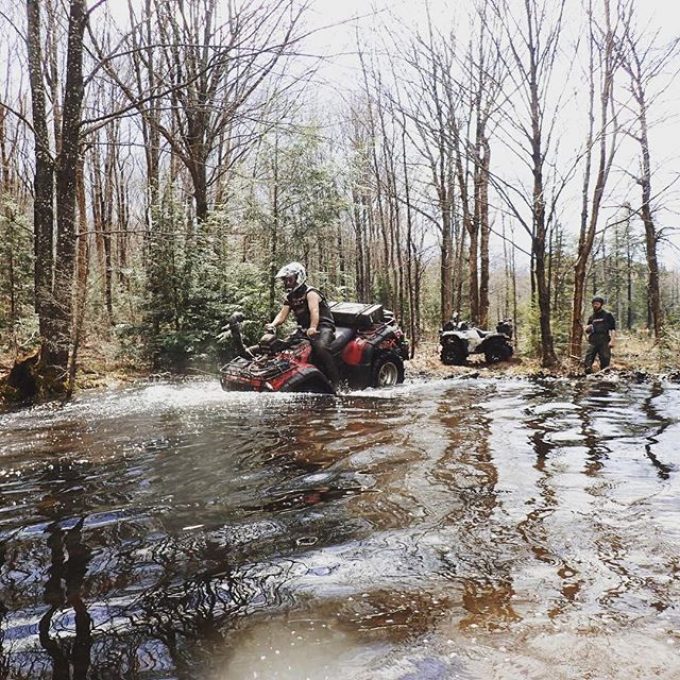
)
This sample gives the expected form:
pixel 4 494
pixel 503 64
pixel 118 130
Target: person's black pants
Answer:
pixel 321 355
pixel 597 347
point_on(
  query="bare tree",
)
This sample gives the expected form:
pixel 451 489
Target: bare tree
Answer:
pixel 66 180
pixel 485 74
pixel 645 63
pixel 451 96
pixel 377 146
pixel 208 71
pixel 107 183
pixel 431 103
pixel 603 63
pixel 532 40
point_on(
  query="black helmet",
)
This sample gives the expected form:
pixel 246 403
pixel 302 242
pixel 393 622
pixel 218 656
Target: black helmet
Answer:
pixel 597 298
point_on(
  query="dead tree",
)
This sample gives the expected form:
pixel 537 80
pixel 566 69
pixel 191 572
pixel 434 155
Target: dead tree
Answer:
pixel 532 41
pixel 644 63
pixel 431 105
pixel 602 65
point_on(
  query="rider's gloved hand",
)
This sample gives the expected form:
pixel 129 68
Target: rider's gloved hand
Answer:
pixel 270 328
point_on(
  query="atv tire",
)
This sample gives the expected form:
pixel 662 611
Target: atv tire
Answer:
pixel 311 385
pixel 387 371
pixel 499 351
pixel 454 354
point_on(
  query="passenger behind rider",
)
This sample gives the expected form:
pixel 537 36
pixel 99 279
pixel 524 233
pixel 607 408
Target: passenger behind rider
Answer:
pixel 312 314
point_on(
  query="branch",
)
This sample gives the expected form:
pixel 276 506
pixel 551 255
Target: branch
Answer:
pixel 19 115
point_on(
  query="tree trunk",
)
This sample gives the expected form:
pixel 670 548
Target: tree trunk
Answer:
pixel 66 173
pixel 410 248
pixel 200 192
pixel 473 290
pixel 606 157
pixel 83 268
pixel 485 231
pixel 629 275
pixel 43 182
pixel 446 268
pixel 651 237
pixel 548 358
pixel 274 236
pixel 358 220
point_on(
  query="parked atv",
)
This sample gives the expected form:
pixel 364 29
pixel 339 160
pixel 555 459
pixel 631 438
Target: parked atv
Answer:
pixel 369 350
pixel 458 340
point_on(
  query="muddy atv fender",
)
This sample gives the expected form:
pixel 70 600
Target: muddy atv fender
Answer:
pixel 387 370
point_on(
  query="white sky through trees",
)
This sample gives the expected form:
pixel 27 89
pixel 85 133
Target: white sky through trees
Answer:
pixel 372 23
pixel 337 28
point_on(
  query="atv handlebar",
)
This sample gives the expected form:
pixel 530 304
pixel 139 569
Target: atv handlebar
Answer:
pixel 267 344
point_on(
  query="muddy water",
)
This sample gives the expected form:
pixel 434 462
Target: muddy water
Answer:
pixel 452 529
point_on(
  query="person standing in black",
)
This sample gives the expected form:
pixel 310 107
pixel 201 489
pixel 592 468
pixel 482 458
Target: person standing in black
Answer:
pixel 312 313
pixel 600 332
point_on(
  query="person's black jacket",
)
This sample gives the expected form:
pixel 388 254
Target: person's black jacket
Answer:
pixel 602 322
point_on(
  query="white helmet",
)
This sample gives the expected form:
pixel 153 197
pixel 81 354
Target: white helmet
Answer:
pixel 293 275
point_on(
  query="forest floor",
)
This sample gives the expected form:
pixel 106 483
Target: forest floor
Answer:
pixel 100 364
pixel 634 355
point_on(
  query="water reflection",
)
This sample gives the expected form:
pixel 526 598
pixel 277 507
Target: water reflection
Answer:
pixel 68 566
pixel 664 423
pixel 437 530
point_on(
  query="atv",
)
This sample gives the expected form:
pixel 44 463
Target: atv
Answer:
pixel 369 350
pixel 458 339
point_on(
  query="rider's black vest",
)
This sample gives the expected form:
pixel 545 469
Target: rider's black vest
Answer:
pixel 297 301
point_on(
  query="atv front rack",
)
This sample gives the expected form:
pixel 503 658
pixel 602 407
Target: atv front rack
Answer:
pixel 241 370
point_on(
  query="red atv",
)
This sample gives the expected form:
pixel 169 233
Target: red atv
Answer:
pixel 369 350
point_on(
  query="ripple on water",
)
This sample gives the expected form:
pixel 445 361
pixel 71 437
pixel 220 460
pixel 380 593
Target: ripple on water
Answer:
pixel 485 529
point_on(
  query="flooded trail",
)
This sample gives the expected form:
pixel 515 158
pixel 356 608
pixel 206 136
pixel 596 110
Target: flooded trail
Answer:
pixel 453 529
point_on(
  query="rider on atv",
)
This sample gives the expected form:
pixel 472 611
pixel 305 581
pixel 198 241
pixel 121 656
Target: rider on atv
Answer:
pixel 312 314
